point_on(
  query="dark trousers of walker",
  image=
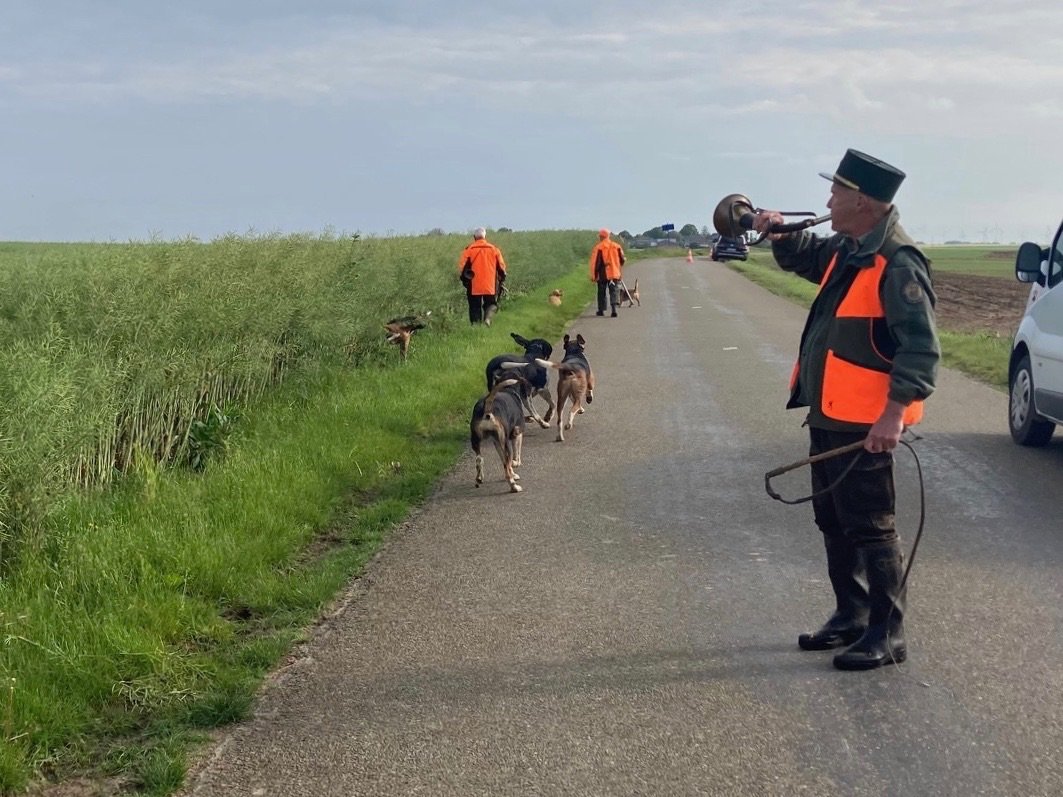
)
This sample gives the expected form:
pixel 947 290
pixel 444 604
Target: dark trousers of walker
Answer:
pixel 861 509
pixel 607 286
pixel 864 559
pixel 481 307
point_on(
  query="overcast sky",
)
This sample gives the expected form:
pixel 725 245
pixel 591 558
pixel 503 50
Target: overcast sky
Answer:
pixel 125 119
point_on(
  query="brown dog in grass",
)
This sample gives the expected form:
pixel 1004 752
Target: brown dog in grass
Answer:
pixel 575 382
pixel 555 297
pixel 401 329
pixel 629 296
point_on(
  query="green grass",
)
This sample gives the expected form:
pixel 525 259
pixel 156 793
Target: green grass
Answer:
pixel 982 356
pixel 138 615
pixel 761 269
pixel 109 352
pixel 986 261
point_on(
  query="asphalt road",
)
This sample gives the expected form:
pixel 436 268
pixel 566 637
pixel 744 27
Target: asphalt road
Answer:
pixel 628 624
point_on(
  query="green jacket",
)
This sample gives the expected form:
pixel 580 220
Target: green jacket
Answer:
pixel 907 296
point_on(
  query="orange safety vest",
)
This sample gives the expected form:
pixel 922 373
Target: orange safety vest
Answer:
pixel 856 374
pixel 484 259
pixel 613 257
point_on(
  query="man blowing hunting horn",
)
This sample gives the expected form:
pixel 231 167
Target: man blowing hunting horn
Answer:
pixel 868 358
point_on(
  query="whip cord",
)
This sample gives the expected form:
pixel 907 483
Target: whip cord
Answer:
pixel 834 452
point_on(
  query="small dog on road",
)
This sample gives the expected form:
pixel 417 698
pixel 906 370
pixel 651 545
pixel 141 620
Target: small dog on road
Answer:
pixel 631 297
pixel 555 297
pixel 575 382
pixel 499 416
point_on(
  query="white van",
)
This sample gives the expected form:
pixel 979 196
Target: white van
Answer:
pixel 1035 372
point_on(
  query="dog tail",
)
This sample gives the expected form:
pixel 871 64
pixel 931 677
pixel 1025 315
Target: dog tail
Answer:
pixel 636 284
pixel 564 368
pixel 489 402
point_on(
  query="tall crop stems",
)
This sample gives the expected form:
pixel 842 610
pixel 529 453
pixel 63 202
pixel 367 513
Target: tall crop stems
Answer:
pixel 199 442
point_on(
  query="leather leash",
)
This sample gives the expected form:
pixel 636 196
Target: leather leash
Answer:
pixel 834 452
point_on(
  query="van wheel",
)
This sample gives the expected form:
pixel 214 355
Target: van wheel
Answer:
pixel 1027 428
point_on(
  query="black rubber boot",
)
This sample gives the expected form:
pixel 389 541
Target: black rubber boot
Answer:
pixel 849 620
pixel 613 314
pixel 883 642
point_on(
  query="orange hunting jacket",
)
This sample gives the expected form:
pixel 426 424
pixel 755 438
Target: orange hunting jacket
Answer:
pixel 856 374
pixel 485 260
pixel 612 255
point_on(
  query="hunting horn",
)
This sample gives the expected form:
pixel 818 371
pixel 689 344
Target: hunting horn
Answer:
pixel 734 214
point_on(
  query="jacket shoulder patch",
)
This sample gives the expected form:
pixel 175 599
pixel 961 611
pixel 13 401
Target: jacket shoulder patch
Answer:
pixel 913 292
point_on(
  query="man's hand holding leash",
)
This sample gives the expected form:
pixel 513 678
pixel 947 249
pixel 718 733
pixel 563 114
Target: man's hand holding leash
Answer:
pixel 886 432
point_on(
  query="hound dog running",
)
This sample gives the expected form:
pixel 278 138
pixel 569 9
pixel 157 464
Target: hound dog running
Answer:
pixel 499 416
pixel 575 382
pixel 535 377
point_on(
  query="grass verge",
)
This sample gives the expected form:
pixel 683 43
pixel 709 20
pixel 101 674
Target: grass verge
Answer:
pixel 150 614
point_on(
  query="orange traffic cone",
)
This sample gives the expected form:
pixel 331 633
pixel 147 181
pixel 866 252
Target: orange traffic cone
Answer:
pixel 690 256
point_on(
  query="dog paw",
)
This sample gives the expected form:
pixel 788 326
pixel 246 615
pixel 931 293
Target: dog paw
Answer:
pixel 544 424
pixel 515 488
pixel 581 410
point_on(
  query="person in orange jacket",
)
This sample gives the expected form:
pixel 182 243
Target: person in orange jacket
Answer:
pixel 607 260
pixel 482 270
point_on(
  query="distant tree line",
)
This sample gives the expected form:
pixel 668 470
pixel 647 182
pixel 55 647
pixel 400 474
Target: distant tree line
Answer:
pixel 687 235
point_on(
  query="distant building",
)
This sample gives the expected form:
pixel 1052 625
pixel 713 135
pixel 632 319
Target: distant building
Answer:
pixel 698 242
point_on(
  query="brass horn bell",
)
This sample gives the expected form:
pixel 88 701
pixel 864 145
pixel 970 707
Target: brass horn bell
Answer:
pixel 729 214
pixel 734 216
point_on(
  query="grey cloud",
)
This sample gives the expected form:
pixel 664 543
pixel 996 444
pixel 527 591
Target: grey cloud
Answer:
pixel 817 57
